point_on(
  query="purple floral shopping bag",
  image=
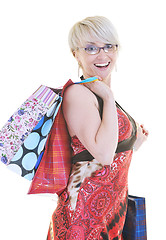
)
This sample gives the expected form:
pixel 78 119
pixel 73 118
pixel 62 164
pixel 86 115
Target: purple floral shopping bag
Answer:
pixel 23 137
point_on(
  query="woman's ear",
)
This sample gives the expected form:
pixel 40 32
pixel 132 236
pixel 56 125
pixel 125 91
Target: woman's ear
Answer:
pixel 74 53
pixel 77 57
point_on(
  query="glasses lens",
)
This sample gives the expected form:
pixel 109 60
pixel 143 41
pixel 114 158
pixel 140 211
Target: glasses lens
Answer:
pixel 91 49
pixel 109 48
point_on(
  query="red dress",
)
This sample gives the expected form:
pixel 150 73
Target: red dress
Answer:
pixel 101 203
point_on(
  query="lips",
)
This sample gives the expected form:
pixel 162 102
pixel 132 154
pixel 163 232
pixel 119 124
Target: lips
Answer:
pixel 102 65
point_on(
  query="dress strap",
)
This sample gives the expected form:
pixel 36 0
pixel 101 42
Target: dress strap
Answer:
pixel 128 143
pixel 83 156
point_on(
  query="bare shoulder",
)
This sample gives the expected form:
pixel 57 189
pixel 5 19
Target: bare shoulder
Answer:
pixel 78 93
pixel 79 104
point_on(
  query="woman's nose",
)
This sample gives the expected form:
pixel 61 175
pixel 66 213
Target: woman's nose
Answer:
pixel 102 53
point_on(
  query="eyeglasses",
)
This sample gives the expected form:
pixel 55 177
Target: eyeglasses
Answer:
pixel 92 49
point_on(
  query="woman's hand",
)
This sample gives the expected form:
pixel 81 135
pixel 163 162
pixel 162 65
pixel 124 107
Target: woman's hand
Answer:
pixel 100 88
pixel 142 135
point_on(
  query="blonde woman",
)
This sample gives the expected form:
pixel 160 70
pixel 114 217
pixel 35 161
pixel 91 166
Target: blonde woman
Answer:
pixel 94 204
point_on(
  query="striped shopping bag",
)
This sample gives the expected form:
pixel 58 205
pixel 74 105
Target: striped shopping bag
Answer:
pixel 53 172
pixel 135 224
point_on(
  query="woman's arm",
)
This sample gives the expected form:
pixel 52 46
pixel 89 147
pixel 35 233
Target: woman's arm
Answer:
pixel 80 108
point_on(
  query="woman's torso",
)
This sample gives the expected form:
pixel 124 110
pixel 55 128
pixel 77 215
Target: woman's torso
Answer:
pixel 84 163
pixel 94 204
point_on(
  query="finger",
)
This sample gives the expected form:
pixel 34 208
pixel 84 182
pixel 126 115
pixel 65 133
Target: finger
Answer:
pixel 144 130
pixel 99 78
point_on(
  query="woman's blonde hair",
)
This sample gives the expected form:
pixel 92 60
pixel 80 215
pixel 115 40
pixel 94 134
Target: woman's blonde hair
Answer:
pixel 97 27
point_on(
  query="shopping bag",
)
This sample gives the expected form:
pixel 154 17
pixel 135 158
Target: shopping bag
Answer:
pixel 31 147
pixel 135 224
pixel 23 137
pixel 53 172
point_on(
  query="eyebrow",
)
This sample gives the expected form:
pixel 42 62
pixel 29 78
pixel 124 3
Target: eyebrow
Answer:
pixel 96 43
pixel 91 43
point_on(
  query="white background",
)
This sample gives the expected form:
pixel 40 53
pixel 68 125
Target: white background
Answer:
pixel 34 51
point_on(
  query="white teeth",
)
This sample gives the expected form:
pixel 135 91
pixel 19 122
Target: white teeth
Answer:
pixel 102 64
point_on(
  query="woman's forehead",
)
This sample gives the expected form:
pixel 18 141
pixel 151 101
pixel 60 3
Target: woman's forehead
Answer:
pixel 94 41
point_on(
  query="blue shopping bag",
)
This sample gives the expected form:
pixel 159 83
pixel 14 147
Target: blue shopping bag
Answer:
pixel 135 224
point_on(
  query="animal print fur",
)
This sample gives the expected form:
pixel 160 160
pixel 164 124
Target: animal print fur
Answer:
pixel 80 171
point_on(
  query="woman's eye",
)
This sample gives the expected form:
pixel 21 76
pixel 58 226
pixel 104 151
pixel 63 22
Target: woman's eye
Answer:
pixel 109 46
pixel 91 48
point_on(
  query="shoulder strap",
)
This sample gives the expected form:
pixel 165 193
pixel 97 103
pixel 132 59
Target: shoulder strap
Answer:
pixel 100 102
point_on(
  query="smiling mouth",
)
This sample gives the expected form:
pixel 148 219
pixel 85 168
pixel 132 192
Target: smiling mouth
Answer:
pixel 102 65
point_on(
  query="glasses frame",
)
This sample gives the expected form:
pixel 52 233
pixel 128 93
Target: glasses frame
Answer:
pixel 115 48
